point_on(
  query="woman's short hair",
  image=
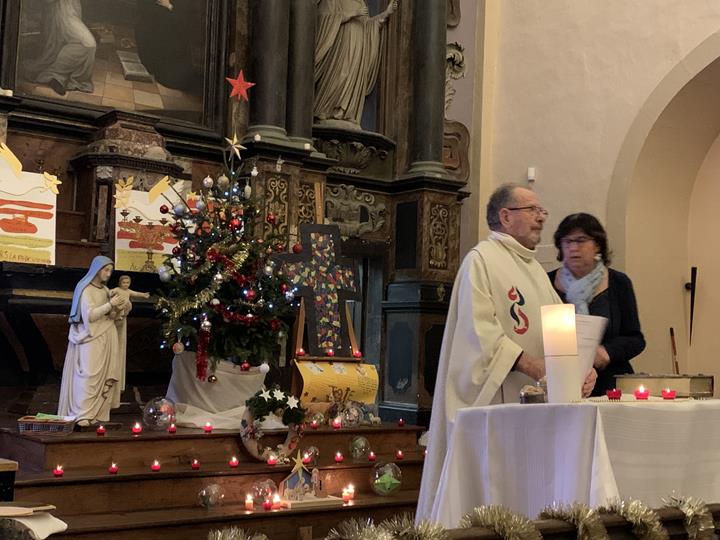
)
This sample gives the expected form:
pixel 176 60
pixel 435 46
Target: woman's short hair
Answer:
pixel 588 224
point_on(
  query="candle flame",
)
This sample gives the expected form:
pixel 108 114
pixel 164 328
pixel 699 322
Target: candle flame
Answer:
pixel 641 389
pixel 249 498
pixel 113 465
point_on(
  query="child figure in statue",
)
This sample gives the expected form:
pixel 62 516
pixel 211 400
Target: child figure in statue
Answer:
pixel 123 290
pixel 93 371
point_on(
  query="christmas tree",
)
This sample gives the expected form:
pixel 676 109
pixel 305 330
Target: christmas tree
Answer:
pixel 222 294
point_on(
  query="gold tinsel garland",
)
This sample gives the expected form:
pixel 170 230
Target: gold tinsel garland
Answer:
pixel 505 523
pixel 698 519
pixel 585 519
pixel 403 527
pixel 233 533
pixel 358 529
pixel 645 522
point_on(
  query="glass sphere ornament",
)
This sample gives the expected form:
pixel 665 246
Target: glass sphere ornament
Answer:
pixel 206 325
pixel 351 416
pixel 200 205
pixel 212 379
pixel 317 417
pixel 263 489
pixel 208 182
pixel 179 209
pixel 158 413
pixel 311 455
pixel 211 496
pixel 385 478
pixel 223 182
pixel 359 447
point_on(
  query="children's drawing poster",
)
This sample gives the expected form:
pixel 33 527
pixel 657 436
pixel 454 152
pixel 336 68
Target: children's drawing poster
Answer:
pixel 143 237
pixel 28 210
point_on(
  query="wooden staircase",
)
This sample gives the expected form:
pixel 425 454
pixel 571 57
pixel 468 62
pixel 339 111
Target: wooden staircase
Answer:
pixel 140 504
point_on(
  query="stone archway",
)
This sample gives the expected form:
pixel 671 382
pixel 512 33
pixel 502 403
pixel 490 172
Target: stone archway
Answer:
pixel 650 192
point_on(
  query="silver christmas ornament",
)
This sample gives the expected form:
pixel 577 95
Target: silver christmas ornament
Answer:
pixel 268 270
pixel 206 325
pixel 200 205
pixel 208 182
pixel 218 278
pixel 223 182
pixel 247 190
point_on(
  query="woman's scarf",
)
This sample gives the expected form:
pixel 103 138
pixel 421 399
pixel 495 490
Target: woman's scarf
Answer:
pixel 581 291
pixel 98 263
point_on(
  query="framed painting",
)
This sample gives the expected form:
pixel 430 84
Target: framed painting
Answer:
pixel 164 58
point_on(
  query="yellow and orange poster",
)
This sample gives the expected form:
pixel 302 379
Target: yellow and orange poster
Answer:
pixel 337 381
pixel 28 210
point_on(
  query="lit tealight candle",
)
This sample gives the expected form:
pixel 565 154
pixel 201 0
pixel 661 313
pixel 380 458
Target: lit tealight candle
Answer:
pixel 172 428
pixel 306 459
pixel 272 459
pixel 195 465
pixel 100 430
pixel 357 354
pixel 155 466
pixel 614 394
pixel 401 422
pixel 669 394
pixel 372 456
pixel 234 462
pixel 314 424
pixel 58 471
pixel 339 458
pixel 208 427
pixel 337 423
pixel 642 393
pixel 267 504
pixel 351 491
pixel 330 353
pixel 300 352
pixel 113 468
pixel 276 502
pixel 137 428
pixel 345 495
pixel 399 455
pixel 249 502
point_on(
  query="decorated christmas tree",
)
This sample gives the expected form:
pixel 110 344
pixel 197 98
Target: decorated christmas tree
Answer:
pixel 223 296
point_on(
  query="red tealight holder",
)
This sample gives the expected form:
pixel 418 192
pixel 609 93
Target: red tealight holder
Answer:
pixel 306 459
pixel 234 462
pixel 399 455
pixel 249 502
pixel 172 428
pixel 272 459
pixel 100 431
pixel 195 465
pixel 372 456
pixel 155 467
pixel 357 354
pixel 339 458
pixel 330 353
pixel 137 428
pixel 401 422
pixel 642 393
pixel 208 427
pixel 614 394
pixel 345 495
pixel 669 394
pixel 300 352
pixel 58 471
pixel 351 491
pixel 314 424
pixel 267 504
pixel 113 468
pixel 276 502
pixel 337 423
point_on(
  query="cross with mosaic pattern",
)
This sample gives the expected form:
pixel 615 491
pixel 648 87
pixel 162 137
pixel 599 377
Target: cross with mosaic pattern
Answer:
pixel 325 284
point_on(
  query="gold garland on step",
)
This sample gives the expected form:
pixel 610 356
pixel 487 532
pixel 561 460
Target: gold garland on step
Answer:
pixel 358 529
pixel 403 527
pixel 698 519
pixel 585 519
pixel 645 522
pixel 233 533
pixel 506 524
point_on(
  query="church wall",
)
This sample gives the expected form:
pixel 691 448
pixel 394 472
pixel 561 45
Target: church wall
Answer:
pixel 573 80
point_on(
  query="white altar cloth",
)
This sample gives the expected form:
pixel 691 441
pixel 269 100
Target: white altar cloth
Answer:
pixel 529 456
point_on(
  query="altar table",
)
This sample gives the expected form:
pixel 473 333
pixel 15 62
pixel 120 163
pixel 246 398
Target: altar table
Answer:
pixel 528 456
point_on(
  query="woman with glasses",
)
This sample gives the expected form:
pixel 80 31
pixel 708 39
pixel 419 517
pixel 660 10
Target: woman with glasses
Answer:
pixel 585 280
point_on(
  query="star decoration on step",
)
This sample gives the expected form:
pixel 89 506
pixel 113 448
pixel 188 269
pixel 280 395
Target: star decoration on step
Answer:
pixel 51 182
pixel 298 464
pixel 239 86
pixel 265 395
pixel 278 394
pixel 292 402
pixel 234 145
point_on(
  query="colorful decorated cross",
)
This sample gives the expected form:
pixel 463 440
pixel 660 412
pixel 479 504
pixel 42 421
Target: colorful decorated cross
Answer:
pixel 325 284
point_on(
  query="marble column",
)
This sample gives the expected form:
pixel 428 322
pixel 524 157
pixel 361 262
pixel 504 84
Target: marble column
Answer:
pixel 428 109
pixel 270 27
pixel 301 82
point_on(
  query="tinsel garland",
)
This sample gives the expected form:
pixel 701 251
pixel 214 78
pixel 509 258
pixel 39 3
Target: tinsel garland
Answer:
pixel 505 523
pixel 698 519
pixel 233 533
pixel 358 529
pixel 585 519
pixel 645 522
pixel 403 527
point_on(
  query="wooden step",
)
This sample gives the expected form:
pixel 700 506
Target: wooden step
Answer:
pixel 192 523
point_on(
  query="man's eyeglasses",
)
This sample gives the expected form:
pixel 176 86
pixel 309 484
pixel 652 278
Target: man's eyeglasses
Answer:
pixel 579 241
pixel 537 210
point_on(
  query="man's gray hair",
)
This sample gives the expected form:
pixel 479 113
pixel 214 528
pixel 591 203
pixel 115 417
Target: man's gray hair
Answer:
pixel 502 197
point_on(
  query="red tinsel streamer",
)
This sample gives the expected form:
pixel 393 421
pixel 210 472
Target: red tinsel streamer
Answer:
pixel 201 363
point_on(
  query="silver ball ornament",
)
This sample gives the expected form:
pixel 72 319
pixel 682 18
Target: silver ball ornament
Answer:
pixel 206 325
pixel 164 276
pixel 264 367
pixel 214 302
pixel 179 209
pixel 218 278
pixel 268 270
pixel 289 296
pixel 223 182
pixel 208 182
pixel 200 205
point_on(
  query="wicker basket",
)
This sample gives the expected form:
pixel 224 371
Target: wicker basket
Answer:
pixel 31 424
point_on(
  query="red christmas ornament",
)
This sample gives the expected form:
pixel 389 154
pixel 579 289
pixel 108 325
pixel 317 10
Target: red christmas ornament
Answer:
pixel 164 209
pixel 176 250
pixel 270 218
pixel 297 248
pixel 239 86
pixel 245 366
pixel 235 223
pixel 250 294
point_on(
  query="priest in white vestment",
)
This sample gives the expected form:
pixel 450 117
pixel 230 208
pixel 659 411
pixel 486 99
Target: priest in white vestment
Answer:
pixel 492 344
pixel 93 370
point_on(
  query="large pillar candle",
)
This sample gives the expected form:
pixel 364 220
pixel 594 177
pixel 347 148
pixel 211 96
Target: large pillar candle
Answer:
pixel 561 359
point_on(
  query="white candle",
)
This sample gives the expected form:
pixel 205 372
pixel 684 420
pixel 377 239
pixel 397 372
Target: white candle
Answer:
pixel 562 365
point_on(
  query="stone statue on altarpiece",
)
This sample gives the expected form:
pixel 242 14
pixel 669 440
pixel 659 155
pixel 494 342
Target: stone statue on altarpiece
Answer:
pixel 347 59
pixel 94 369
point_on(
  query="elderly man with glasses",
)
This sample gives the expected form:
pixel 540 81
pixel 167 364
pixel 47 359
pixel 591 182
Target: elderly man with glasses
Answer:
pixel 492 345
